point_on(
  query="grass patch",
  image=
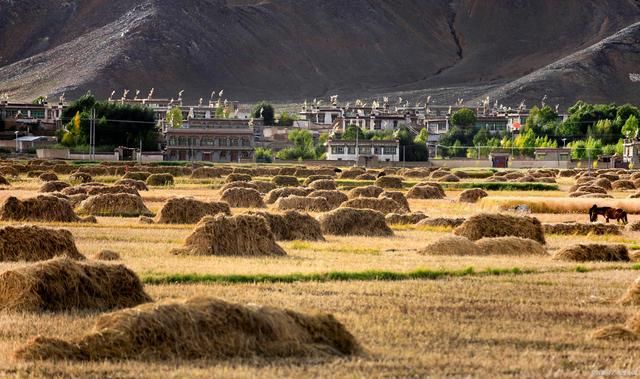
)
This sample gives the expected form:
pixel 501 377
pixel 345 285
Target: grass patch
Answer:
pixel 582 269
pixel 304 245
pixel 327 277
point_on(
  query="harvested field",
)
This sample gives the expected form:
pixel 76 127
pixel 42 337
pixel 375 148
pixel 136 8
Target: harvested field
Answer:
pixel 262 187
pixel 405 218
pixel 472 195
pixel 137 184
pixel 33 243
pixel 632 294
pixel 593 252
pixel 63 284
pixel 501 225
pixel 107 255
pixel 354 222
pixel 240 235
pixel 451 245
pixel 101 190
pixel 114 205
pixel 160 180
pixel 575 228
pixel 189 211
pixel 200 328
pixel 285 181
pixel 277 193
pixel 80 177
pixel 302 203
pixel 292 225
pixel 445 222
pixel 334 198
pixel 384 205
pixel 137 175
pixel 53 186
pixel 48 177
pixel 312 178
pixel 399 198
pixel 233 177
pixel 513 246
pixel 242 198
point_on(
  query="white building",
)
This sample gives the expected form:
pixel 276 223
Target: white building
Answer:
pixel 382 151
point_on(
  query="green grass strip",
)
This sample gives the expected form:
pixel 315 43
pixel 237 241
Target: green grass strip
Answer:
pixel 326 277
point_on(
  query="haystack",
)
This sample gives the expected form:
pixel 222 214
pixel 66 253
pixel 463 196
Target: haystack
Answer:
pixel 442 222
pixel 160 180
pixel 9 171
pixel 591 189
pixel 593 252
pixel 575 228
pixel 242 198
pixel 352 173
pixel 630 331
pixel 501 225
pixel 323 184
pixel 137 184
pixel 405 218
pixel 262 187
pixel 146 220
pixel 451 245
pixel 285 181
pixel 334 198
pixel 439 173
pixel 352 221
pixel 183 210
pixel 425 192
pixel 237 178
pixel 389 182
pixel 632 295
pixel 303 203
pixel 472 195
pixel 40 208
pixel 33 243
pixel 64 284
pixel 449 178
pixel 366 191
pixel 398 197
pixel 4 181
pixel 48 177
pixel 366 176
pixel 80 177
pixel 63 168
pixel 53 186
pixel 114 205
pixel 34 173
pixel 206 173
pixel 512 246
pixel 312 178
pixel 292 225
pixel 277 193
pixel 101 190
pixel 385 205
pixel 107 255
pixel 240 235
pixel 287 171
pixel 137 175
pixel 200 328
pixel 415 173
pixel 623 185
pixel 239 185
pixel 603 183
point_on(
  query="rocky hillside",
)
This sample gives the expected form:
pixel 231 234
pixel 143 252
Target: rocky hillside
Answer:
pixel 289 50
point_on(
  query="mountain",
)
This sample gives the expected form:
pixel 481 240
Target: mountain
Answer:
pixel 289 50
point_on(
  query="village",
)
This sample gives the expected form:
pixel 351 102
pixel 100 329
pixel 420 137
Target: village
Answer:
pixel 227 131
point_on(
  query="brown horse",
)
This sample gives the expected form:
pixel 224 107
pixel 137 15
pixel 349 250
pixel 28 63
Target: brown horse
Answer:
pixel 609 213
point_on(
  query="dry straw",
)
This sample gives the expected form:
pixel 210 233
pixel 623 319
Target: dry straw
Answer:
pixel 53 186
pixel 385 205
pixel 302 203
pixel 405 219
pixel 235 177
pixel 239 185
pixel 575 228
pixel 442 222
pixel 41 208
pixel 64 284
pixel 107 255
pixel 185 210
pixel 285 181
pixel 292 225
pixel 48 177
pixel 200 328
pixel 389 182
pixel 365 191
pixel 137 184
pixel 334 198
pixel 425 192
pixel 398 197
pixel 33 243
pixel 240 235
pixel 472 195
pixel 451 245
pixel 632 295
pixel 593 252
pixel 512 246
pixel 501 225
pixel 163 179
pixel 277 193
pixel 115 205
pixel 323 184
pixel 351 221
pixel 242 198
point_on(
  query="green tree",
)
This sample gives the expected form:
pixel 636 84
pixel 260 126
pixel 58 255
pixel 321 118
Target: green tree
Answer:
pixel 351 131
pixel 630 127
pixel 174 117
pixel 264 110
pixel 303 147
pixel 39 100
pixel 539 118
pixel 287 119
pixel 321 148
pixel 264 155
pixel 463 117
pixel 422 137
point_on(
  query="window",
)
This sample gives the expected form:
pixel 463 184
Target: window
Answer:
pixel 351 150
pixel 234 142
pixel 395 123
pixel 320 118
pixel 223 142
pixel 377 150
pixel 390 150
pixel 333 118
pixel 377 124
pixel 563 157
pixel 364 149
pixel 337 149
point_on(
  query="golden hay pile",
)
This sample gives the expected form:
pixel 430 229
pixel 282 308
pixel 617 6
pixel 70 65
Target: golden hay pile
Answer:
pixel 439 173
pixel 622 185
pixel 501 225
pixel 593 252
pixel 233 177
pixel 262 187
pixel 200 328
pixel 33 243
pixel 53 186
pixel 242 198
pixel 414 173
pixel 107 255
pixel 240 235
pixel 239 185
pixel 48 177
pixel 385 205
pixel 101 190
pixel 449 178
pixel 365 191
pixel 34 173
pixel 323 184
pixel 352 173
pixel 137 184
pixel 334 198
pixel 4 181
pixel 80 177
pixel 302 203
pixel 398 197
pixel 285 181
pixel 9 171
pixel 114 205
pixel 64 284
pixel 292 225
pixel 40 208
pixel 277 193
pixel 366 176
pixel 160 180
pixel 63 168
pixel 183 210
pixel 512 246
pixel 472 195
pixel 244 170
pixel 405 219
pixel 389 182
pixel 207 173
pixel 425 192
pixel 442 222
pixel 632 295
pixel 357 222
pixel 137 175
pixel 590 189
pixel 451 245
pixel 287 171
pixel 603 183
pixel 312 178
pixel 630 331
pixel 574 228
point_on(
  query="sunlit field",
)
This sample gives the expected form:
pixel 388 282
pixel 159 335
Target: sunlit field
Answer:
pixel 415 314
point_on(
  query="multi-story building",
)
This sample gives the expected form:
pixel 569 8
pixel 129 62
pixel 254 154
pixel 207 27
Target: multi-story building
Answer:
pixel 28 116
pixel 368 150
